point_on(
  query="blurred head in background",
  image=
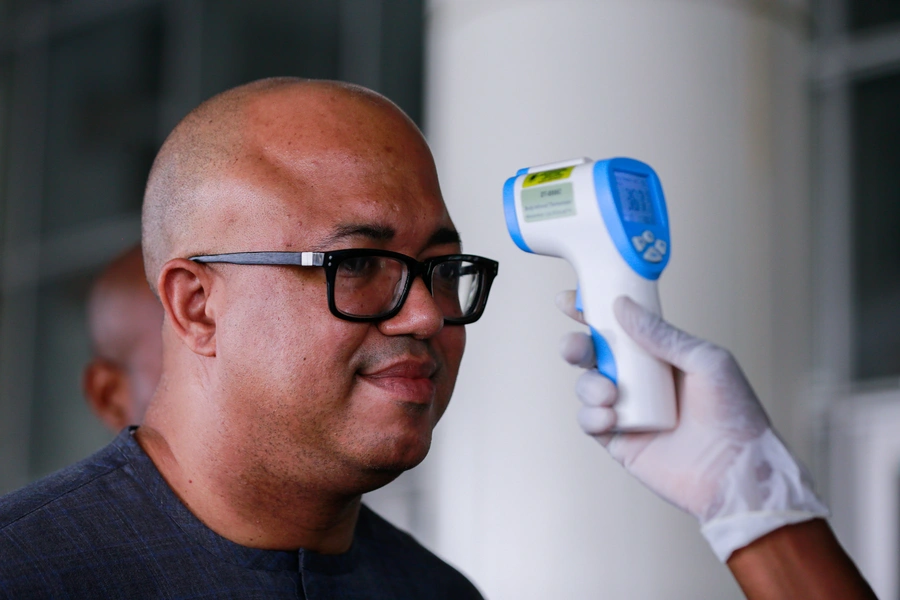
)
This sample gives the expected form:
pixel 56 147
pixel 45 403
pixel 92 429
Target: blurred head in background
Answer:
pixel 124 320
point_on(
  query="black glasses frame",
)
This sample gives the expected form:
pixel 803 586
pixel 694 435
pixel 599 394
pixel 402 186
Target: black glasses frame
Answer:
pixel 330 261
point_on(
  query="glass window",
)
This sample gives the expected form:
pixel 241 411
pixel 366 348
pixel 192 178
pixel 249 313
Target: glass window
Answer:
pixel 876 209
pixel 102 116
pixel 402 51
pixel 873 13
pixel 12 8
pixel 63 429
pixel 5 87
pixel 244 41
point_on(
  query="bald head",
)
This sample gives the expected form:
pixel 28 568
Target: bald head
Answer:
pixel 124 322
pixel 258 127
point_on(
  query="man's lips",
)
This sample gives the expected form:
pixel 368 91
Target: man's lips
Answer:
pixel 406 380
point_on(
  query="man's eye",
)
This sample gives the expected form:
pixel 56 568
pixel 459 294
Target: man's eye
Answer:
pixel 358 267
pixel 448 271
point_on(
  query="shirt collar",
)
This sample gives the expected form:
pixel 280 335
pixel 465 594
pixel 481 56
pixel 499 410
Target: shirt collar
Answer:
pixel 192 528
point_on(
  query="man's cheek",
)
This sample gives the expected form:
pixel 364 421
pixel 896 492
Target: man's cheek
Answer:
pixel 452 342
pixel 329 355
pixel 452 346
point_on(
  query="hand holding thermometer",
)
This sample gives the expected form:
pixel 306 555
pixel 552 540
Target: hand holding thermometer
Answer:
pixel 609 220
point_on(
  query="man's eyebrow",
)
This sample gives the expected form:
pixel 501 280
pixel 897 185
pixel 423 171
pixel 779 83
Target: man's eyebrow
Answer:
pixel 383 233
pixel 376 233
pixel 444 235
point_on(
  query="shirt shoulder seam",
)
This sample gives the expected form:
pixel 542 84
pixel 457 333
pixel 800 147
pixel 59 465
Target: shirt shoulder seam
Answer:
pixel 104 473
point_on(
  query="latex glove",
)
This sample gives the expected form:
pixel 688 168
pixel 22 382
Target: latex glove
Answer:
pixel 723 462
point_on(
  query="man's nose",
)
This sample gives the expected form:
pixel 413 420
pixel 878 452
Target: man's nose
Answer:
pixel 420 316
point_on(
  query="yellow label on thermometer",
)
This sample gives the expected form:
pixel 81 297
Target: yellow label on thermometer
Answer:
pixel 546 176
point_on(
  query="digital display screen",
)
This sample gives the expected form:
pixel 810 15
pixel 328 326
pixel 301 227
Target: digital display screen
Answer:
pixel 634 196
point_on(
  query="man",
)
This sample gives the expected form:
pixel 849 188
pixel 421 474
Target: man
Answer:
pixel 124 320
pixel 274 413
pixel 315 300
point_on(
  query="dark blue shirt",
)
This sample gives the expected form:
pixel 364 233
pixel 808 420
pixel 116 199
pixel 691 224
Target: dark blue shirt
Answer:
pixel 110 527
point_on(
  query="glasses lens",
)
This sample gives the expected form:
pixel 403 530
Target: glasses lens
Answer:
pixel 456 286
pixel 368 286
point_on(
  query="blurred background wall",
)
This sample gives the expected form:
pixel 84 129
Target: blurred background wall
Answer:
pixel 774 127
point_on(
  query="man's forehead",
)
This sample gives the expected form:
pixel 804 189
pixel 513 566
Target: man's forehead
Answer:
pixel 381 234
pixel 250 217
pixel 291 120
pixel 327 187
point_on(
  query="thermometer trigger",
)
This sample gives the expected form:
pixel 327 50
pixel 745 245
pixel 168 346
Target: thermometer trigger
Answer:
pixel 606 362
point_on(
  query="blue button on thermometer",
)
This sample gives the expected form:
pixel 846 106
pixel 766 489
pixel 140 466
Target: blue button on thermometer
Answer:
pixel 608 219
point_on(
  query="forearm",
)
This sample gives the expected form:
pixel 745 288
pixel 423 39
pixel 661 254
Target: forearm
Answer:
pixel 804 560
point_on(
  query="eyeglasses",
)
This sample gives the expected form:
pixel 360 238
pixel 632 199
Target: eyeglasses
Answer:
pixel 372 285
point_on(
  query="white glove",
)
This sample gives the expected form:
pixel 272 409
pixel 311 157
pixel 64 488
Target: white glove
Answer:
pixel 723 463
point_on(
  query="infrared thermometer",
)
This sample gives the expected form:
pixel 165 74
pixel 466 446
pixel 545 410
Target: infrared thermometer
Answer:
pixel 608 219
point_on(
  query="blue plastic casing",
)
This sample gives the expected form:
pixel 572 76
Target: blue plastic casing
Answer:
pixel 606 362
pixel 638 226
pixel 509 209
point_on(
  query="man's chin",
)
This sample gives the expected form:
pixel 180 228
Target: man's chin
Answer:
pixel 398 464
pixel 378 475
pixel 392 459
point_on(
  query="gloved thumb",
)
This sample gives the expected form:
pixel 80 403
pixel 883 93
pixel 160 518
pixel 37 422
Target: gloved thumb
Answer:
pixel 657 336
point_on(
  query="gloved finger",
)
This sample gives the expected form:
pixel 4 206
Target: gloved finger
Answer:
pixel 658 337
pixel 595 390
pixel 596 421
pixel 577 349
pixel 565 301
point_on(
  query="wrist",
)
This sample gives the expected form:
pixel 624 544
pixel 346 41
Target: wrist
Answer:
pixel 764 489
pixel 798 561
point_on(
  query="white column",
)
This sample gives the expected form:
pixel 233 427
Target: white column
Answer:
pixel 713 95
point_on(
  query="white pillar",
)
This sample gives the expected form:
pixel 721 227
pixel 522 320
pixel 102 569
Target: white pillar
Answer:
pixel 712 94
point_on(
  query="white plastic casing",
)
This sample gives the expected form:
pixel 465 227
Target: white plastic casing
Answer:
pixel 646 388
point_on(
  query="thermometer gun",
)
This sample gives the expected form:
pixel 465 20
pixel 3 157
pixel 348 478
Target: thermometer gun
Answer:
pixel 608 219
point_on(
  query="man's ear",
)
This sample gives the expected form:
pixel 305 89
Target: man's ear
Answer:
pixel 105 387
pixel 184 289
